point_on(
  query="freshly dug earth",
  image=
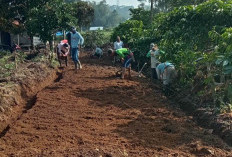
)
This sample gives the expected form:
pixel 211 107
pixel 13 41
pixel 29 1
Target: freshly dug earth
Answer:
pixel 93 113
pixel 18 90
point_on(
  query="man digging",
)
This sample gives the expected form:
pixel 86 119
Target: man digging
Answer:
pixel 126 58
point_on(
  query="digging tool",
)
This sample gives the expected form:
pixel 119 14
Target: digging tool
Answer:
pixel 140 72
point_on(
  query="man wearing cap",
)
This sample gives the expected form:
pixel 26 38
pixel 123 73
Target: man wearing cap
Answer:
pixel 126 57
pixel 76 41
pixel 62 52
pixel 153 54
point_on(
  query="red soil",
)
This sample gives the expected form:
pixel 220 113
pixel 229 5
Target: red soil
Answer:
pixel 93 113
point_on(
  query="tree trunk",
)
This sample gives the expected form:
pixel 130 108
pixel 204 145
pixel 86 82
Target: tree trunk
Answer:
pixel 51 45
pixel 152 4
pixel 64 34
pixel 31 40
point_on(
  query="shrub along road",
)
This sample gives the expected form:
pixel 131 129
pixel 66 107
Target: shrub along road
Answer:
pixel 93 113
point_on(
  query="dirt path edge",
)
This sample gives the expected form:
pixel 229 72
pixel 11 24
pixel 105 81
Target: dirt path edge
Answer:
pixel 218 124
pixel 20 95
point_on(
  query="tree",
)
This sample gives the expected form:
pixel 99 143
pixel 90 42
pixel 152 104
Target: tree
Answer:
pixel 168 5
pixel 152 9
pixel 45 21
pixel 141 14
pixel 101 14
pixel 128 31
pixel 72 1
pixel 83 12
pixel 11 10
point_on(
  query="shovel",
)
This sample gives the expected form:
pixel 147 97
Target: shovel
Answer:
pixel 140 72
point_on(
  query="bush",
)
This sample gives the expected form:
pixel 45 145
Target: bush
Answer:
pixel 96 38
pixel 187 34
pixel 7 65
pixel 129 31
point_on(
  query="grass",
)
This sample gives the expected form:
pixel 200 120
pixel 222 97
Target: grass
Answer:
pixel 7 64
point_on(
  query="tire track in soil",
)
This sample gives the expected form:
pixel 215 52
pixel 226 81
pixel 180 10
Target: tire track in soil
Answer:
pixel 92 113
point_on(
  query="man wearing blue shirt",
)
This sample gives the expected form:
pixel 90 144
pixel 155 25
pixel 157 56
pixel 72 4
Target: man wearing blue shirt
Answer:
pixel 76 41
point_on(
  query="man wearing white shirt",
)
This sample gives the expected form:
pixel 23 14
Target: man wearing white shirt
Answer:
pixel 154 54
pixel 117 45
pixel 62 52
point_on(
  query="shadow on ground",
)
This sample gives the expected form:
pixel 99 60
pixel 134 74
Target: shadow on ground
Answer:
pixel 150 123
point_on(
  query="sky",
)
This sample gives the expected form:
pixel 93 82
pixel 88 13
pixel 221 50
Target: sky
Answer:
pixel 134 3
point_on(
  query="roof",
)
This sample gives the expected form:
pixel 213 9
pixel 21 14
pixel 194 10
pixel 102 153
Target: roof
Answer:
pixel 95 28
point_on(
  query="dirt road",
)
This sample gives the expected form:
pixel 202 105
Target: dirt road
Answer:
pixel 93 114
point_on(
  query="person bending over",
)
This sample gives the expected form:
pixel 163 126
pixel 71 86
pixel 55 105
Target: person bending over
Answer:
pixel 97 52
pixel 62 52
pixel 167 74
pixel 126 58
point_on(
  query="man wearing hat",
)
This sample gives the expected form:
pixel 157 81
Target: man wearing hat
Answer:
pixel 153 54
pixel 76 41
pixel 62 52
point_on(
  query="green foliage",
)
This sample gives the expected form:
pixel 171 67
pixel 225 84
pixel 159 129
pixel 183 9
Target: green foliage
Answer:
pixel 54 63
pixel 7 64
pixel 49 19
pixel 168 5
pixel 223 63
pixel 43 17
pixel 40 58
pixel 83 12
pixel 129 31
pixel 11 10
pixel 194 38
pixel 140 47
pixel 204 28
pixel 96 38
pixel 4 53
pixel 140 14
pixel 20 57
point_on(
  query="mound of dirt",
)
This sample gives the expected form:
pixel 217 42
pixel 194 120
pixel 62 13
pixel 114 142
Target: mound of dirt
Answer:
pixel 20 88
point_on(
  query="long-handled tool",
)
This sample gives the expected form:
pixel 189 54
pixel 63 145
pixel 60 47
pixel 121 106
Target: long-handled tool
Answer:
pixel 140 72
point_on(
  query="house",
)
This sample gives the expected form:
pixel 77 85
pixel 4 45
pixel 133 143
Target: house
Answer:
pixel 24 41
pixel 95 28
